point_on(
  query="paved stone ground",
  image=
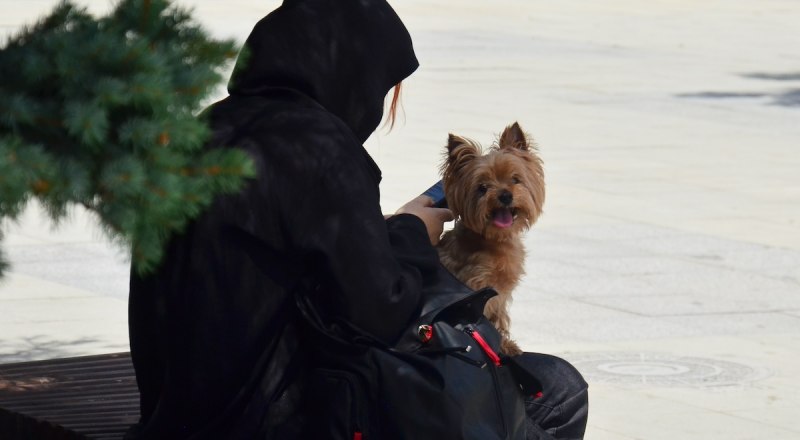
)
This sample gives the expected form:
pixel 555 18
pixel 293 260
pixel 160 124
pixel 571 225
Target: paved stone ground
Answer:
pixel 667 264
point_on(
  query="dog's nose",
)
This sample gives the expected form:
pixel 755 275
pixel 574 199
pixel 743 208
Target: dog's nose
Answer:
pixel 506 198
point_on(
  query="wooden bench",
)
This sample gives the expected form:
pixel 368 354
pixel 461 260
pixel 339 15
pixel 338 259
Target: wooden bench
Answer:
pixel 74 398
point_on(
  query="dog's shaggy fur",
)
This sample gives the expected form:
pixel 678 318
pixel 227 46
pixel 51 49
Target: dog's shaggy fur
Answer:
pixel 495 198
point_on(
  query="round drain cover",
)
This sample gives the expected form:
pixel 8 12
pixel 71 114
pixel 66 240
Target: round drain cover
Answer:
pixel 659 369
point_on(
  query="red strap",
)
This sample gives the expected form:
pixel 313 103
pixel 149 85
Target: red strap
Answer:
pixel 485 346
pixel 356 435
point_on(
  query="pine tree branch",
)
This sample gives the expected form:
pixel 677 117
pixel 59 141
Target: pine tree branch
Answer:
pixel 100 114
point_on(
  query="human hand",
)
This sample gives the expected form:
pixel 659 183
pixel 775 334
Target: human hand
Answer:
pixel 434 218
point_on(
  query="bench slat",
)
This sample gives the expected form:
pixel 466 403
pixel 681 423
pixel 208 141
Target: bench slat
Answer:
pixel 95 396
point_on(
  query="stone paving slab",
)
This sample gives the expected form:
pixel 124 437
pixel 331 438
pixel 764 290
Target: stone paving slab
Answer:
pixel 43 320
pixel 699 387
pixel 671 230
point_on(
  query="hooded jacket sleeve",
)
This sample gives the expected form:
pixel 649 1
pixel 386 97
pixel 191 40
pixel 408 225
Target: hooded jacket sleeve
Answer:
pixel 372 270
pixel 316 201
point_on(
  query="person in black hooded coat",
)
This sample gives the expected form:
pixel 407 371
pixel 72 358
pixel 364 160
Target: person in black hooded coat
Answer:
pixel 214 334
pixel 216 339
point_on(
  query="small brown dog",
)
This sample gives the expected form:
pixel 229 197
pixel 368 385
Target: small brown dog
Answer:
pixel 495 198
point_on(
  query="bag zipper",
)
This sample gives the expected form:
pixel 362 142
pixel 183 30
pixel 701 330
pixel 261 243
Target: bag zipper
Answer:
pixel 484 345
pixel 490 353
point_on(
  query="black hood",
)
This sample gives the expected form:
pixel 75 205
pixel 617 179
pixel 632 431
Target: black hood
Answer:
pixel 344 54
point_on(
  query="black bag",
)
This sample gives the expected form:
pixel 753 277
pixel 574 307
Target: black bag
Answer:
pixel 443 380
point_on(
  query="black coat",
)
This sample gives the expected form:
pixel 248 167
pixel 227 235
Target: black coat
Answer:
pixel 215 337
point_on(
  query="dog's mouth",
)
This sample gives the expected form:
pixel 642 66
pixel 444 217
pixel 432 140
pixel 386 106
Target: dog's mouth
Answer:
pixel 504 217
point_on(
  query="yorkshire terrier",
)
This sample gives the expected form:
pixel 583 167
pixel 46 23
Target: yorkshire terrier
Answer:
pixel 495 198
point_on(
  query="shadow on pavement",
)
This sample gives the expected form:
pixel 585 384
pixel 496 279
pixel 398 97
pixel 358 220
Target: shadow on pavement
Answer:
pixel 785 98
pixel 795 76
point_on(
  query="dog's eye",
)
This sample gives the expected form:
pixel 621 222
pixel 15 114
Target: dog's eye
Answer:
pixel 515 180
pixel 482 188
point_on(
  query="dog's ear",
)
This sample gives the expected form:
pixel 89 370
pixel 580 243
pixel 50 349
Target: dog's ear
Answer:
pixel 460 152
pixel 514 137
pixel 453 142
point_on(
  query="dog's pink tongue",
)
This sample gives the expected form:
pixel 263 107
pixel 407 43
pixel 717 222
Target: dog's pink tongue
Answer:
pixel 503 218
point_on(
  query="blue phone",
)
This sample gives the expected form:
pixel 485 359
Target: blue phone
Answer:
pixel 436 192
